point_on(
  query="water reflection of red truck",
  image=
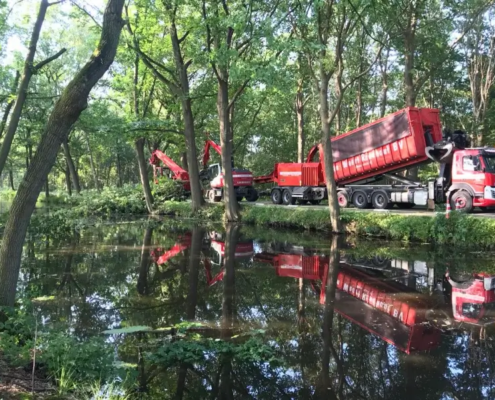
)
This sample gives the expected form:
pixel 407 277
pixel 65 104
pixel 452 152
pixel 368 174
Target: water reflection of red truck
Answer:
pixel 389 309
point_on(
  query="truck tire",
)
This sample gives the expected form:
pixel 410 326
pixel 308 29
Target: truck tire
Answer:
pixel 380 200
pixel 211 195
pixel 360 200
pixel 287 198
pixel 464 199
pixel 252 195
pixel 343 199
pixel 276 196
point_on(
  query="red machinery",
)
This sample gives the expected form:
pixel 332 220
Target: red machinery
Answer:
pixel 387 308
pixel 242 250
pixel 407 138
pixel 171 169
pixel 161 257
pixel 242 178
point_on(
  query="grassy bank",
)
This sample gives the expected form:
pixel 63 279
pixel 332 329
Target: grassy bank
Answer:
pixel 127 203
pixel 459 230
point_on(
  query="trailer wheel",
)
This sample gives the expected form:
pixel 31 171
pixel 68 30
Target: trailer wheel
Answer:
pixel 464 200
pixel 276 196
pixel 360 200
pixel 252 195
pixel 380 200
pixel 287 198
pixel 343 199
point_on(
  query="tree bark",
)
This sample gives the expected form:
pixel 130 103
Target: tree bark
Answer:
pixel 9 104
pixel 187 113
pixel 92 163
pixel 73 100
pixel 11 179
pixel 300 121
pixel 23 86
pixel 333 203
pixel 232 211
pixel 47 188
pixel 67 179
pixel 143 173
pixel 71 167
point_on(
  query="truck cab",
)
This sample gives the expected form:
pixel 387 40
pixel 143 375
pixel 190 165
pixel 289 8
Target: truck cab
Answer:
pixel 473 179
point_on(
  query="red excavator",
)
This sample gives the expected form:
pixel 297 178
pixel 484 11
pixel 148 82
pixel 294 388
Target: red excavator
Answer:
pixel 381 149
pixel 387 307
pixel 212 175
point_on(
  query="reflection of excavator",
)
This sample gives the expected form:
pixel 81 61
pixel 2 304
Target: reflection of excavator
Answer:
pixel 214 254
pixel 386 306
pixel 215 260
pixel 211 175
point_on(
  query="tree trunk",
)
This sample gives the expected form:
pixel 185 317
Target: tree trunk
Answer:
pixel 71 167
pixel 47 188
pixel 194 261
pixel 143 173
pixel 67 179
pixel 333 203
pixel 187 113
pixel 232 212
pixel 11 179
pixel 92 163
pixel 300 121
pixel 144 264
pixel 9 104
pixel 23 86
pixel 119 167
pixel 73 100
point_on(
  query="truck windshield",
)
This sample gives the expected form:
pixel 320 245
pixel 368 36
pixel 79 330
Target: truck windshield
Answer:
pixel 489 163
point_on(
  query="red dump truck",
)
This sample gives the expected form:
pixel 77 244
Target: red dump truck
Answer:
pixel 382 149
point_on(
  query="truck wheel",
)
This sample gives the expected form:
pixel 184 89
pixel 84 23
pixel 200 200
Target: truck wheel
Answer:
pixel 211 195
pixel 252 195
pixel 343 199
pixel 360 200
pixel 276 196
pixel 464 200
pixel 287 198
pixel 380 200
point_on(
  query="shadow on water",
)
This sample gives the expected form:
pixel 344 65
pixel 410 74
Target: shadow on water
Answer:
pixel 266 314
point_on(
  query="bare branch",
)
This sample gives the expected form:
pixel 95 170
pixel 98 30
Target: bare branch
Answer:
pixel 184 37
pixel 87 13
pixel 238 93
pixel 41 64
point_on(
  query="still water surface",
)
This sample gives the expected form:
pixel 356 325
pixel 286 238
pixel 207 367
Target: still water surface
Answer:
pixel 347 320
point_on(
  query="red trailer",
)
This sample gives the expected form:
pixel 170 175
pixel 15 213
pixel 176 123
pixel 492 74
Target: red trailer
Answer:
pixel 381 149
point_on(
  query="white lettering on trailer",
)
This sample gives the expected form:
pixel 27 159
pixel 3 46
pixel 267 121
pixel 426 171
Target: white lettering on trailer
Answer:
pixel 290 173
pixel 394 146
pixel 401 144
pixel 344 163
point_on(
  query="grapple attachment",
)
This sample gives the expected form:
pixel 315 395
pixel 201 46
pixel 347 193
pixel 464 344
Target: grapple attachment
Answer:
pixel 442 151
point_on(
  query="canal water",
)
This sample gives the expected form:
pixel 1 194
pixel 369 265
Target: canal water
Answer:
pixel 193 312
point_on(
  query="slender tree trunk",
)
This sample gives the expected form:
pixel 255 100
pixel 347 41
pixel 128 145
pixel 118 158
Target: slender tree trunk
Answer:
pixel 6 112
pixel 11 179
pixel 92 163
pixel 300 121
pixel 72 102
pixel 71 167
pixel 144 264
pixel 333 203
pixel 232 212
pixel 47 188
pixel 143 173
pixel 67 179
pixel 23 86
pixel 119 168
pixel 384 75
pixel 187 114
